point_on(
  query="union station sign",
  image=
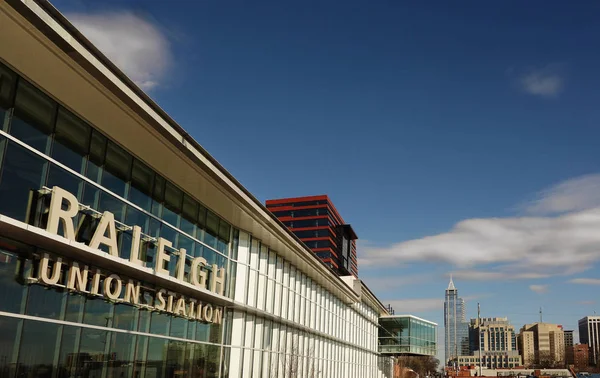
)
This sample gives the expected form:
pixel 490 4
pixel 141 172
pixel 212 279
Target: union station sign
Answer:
pixel 64 207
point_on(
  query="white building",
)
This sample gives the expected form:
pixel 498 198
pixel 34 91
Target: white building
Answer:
pixel 127 250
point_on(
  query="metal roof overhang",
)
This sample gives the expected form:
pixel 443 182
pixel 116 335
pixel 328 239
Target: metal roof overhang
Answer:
pixel 44 47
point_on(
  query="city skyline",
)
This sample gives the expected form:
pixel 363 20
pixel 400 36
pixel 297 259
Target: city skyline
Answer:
pixel 452 164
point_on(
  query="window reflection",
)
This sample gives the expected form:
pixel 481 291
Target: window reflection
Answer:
pixel 33 116
pixel 36 354
pixel 21 175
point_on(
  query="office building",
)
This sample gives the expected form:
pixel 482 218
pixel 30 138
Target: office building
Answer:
pixel 407 335
pixel 494 335
pixel 129 251
pixel 589 333
pixel 542 345
pixel 581 357
pixel 495 341
pixel 456 328
pixel 569 358
pixel 316 221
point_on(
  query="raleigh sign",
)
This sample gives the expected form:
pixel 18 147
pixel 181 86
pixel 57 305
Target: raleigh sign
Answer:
pixel 64 207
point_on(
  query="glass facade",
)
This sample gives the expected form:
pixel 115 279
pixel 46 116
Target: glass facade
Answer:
pixel 456 327
pixel 407 335
pixel 293 323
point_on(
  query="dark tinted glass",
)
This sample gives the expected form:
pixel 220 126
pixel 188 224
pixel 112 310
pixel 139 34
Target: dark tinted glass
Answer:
pixel 37 349
pixel 33 116
pixel 173 198
pixel 71 140
pixel 8 79
pixel 20 177
pixel 142 179
pixel 97 149
pixel 10 290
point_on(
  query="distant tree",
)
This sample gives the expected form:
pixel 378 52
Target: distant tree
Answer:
pixel 422 365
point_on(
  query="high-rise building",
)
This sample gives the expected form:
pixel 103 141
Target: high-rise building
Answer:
pixel 542 344
pixel 316 222
pixel 589 333
pixel 569 358
pixel 456 327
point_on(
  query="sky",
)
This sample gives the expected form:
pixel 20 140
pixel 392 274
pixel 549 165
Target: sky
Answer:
pixel 456 137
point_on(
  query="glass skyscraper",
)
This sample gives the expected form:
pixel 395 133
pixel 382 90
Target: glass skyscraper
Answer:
pixel 456 328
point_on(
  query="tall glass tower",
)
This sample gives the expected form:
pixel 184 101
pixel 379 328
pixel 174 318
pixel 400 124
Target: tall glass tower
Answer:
pixel 456 328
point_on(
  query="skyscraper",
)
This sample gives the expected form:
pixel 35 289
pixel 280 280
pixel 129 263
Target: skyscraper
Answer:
pixel 456 327
pixel 589 333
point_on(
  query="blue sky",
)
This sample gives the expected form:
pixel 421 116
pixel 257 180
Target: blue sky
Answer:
pixel 454 137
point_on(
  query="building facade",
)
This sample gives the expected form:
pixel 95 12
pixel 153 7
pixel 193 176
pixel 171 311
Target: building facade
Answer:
pixel 456 327
pixel 569 357
pixel 589 333
pixel 496 339
pixel 491 360
pixel 316 221
pixel 581 357
pixel 542 345
pixel 407 335
pixel 126 250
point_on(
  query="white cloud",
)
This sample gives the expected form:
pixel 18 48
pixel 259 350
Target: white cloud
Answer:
pixel 522 247
pixel 134 44
pixel 585 281
pixel 579 193
pixel 482 275
pixel 545 82
pixel 540 289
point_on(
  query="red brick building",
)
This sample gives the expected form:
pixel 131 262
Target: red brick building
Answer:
pixel 581 356
pixel 316 221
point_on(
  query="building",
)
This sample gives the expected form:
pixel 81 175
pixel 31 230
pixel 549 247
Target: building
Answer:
pixel 129 251
pixel 494 335
pixel 318 224
pixel 581 357
pixel 542 345
pixel 569 358
pixel 456 328
pixel 589 333
pixel 491 360
pixel 407 335
pixel 526 347
pixel 497 340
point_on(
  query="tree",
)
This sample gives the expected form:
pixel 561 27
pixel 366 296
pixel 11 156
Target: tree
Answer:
pixel 290 362
pixel 422 365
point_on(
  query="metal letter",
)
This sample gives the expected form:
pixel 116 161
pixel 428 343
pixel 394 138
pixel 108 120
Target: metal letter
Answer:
pixel 159 295
pixel 208 316
pixel 181 264
pixel 78 278
pixel 56 213
pixel 107 223
pixel 134 256
pixel 217 278
pixel 132 292
pixel 161 256
pixel 107 287
pixel 197 264
pixel 43 272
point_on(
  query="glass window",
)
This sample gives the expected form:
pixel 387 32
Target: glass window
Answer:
pixel 11 292
pixel 71 140
pixel 8 80
pixel 97 311
pixel 212 229
pixel 20 177
pixel 33 116
pixel 97 148
pixel 37 349
pixel 190 215
pixel 158 195
pixel 92 354
pixel 142 179
pixel 67 363
pixel 63 179
pixel 44 302
pixel 117 169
